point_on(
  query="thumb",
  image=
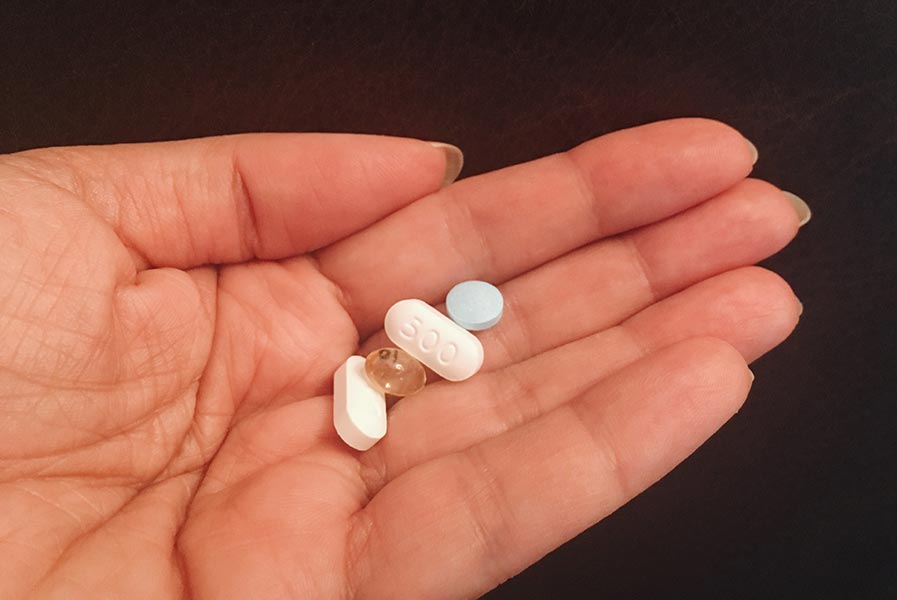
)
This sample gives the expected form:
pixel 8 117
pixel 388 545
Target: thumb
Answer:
pixel 235 198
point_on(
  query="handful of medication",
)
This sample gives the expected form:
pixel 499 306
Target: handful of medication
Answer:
pixel 423 335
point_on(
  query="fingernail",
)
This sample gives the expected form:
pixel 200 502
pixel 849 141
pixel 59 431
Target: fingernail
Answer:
pixel 752 375
pixel 754 154
pixel 800 308
pixel 800 207
pixel 454 160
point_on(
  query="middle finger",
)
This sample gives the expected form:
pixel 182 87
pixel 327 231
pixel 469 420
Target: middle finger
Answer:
pixel 606 282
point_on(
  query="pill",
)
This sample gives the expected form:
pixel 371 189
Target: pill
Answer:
pixel 359 409
pixel 394 371
pixel 433 339
pixel 474 305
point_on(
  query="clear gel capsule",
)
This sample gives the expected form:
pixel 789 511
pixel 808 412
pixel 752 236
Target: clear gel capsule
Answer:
pixel 394 371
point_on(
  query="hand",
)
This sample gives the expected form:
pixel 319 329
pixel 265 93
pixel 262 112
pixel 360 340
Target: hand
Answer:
pixel 171 316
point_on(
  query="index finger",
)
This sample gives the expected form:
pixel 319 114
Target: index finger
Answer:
pixel 500 224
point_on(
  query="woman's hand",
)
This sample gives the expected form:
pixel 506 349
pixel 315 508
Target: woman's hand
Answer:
pixel 171 316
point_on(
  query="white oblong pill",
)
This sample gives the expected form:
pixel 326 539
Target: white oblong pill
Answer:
pixel 434 339
pixel 359 409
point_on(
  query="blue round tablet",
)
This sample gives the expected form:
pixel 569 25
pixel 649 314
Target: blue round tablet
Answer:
pixel 474 305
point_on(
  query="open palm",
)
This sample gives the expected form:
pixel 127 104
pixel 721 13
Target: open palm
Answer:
pixel 171 316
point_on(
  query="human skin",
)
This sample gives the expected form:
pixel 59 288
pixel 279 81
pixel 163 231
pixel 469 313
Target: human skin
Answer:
pixel 171 316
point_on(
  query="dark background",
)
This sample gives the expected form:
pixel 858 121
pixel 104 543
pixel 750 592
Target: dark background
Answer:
pixel 797 496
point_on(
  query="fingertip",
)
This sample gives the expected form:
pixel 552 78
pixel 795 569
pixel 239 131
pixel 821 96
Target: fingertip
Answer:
pixel 454 161
pixel 693 158
pixel 801 208
pixel 713 370
pixel 725 137
pixel 769 210
pixel 762 307
pixel 755 154
pixel 774 303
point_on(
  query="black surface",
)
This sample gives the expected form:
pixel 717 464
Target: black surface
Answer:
pixel 797 496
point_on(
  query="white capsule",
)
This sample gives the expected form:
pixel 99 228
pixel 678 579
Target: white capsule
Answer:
pixel 359 409
pixel 434 339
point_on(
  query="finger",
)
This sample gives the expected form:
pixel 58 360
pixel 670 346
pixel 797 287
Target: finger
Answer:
pixel 751 309
pixel 498 225
pixel 232 198
pixel 602 284
pixel 470 520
